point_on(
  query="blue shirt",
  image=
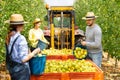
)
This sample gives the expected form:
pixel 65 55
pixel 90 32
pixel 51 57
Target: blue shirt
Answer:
pixel 20 48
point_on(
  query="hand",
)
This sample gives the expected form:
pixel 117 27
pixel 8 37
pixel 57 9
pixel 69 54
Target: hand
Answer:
pixel 37 39
pixel 83 43
pixel 48 43
pixel 37 50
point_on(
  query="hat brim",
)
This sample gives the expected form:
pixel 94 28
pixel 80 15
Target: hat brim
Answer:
pixel 19 22
pixel 84 18
pixel 37 22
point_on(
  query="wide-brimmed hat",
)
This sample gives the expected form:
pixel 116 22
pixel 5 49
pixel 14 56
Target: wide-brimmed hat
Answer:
pixel 16 19
pixel 37 20
pixel 89 15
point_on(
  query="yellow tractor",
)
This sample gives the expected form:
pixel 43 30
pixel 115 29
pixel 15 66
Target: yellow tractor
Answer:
pixel 61 32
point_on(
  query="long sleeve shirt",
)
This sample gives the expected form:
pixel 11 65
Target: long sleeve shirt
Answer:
pixel 20 48
pixel 93 39
pixel 34 35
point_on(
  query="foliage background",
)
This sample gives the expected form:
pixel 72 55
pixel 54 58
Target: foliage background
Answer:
pixel 107 10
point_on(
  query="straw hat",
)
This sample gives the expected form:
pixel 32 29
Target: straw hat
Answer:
pixel 16 19
pixel 89 15
pixel 37 20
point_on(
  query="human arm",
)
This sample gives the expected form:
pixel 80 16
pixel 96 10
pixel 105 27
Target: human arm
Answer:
pixel 31 54
pixel 97 40
pixel 44 39
pixel 23 51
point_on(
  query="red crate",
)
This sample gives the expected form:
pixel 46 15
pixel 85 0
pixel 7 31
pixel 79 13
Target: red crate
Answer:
pixel 47 76
pixel 98 75
pixel 61 57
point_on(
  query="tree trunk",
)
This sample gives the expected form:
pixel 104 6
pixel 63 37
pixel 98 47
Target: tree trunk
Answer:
pixel 108 57
pixel 116 63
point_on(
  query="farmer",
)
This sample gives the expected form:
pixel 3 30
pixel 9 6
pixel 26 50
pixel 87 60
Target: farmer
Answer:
pixel 17 49
pixel 93 39
pixel 36 36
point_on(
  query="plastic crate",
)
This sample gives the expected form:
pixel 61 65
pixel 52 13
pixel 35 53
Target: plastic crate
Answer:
pixel 98 75
pixel 37 64
pixel 42 45
pixel 47 76
pixel 61 57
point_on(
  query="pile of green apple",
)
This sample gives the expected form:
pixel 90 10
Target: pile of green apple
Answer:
pixel 57 51
pixel 80 53
pixel 66 66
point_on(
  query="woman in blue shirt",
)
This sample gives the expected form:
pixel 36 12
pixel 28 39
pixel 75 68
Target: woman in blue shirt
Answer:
pixel 20 50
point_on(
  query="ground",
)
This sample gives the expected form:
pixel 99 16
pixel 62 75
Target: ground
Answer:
pixel 108 67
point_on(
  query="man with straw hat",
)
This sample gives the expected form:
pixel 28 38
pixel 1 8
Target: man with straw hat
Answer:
pixel 17 55
pixel 36 36
pixel 93 39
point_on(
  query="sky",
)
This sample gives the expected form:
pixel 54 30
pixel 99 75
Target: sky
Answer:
pixel 60 2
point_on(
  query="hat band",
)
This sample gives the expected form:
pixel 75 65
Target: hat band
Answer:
pixel 90 17
pixel 16 21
